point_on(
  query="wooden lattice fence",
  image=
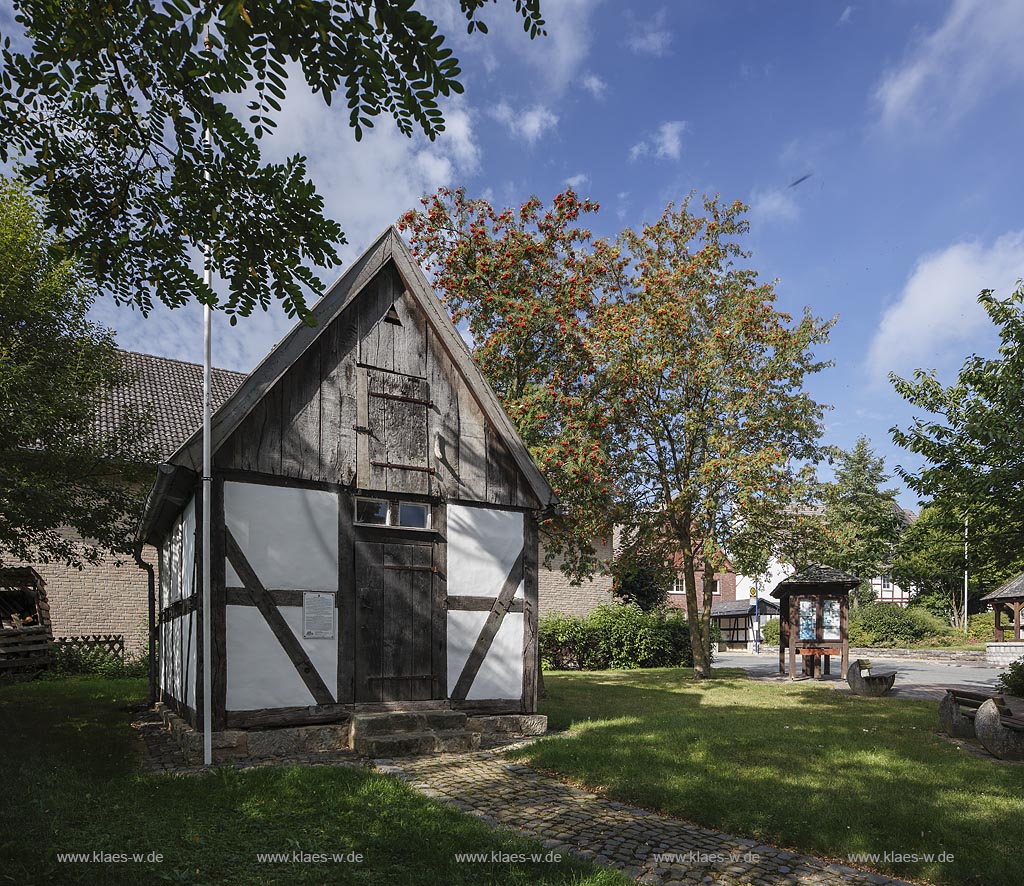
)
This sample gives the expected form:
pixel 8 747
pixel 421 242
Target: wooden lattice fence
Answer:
pixel 92 646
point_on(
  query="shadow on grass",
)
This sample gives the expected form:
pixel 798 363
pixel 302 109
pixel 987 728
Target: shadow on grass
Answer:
pixel 799 765
pixel 70 784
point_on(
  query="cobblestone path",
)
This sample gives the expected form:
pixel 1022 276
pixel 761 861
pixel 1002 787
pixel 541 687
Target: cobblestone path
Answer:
pixel 651 848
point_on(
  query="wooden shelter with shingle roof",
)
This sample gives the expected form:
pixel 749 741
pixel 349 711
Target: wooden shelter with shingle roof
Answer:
pixel 1008 597
pixel 814 608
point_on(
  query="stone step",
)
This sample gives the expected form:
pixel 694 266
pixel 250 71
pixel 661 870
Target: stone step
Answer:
pixel 505 725
pixel 407 744
pixel 394 722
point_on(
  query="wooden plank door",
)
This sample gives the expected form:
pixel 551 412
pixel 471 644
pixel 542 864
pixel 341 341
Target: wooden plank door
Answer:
pixel 394 621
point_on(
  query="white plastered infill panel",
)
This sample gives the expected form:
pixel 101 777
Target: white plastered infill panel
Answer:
pixel 483 544
pixel 191 675
pixel 172 663
pixel 463 628
pixel 188 549
pixel 288 535
pixel 259 672
pixel 170 566
pixel 162 651
pixel 165 571
pixel 501 673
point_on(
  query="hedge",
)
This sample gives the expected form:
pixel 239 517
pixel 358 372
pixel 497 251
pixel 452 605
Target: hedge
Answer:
pixel 616 636
pixel 887 625
pixel 1011 681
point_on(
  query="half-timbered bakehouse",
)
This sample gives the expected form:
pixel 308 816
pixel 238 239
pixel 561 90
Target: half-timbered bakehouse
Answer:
pixel 374 524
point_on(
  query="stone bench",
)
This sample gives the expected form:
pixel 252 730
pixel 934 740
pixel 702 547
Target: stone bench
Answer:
pixel 958 711
pixel 863 682
pixel 999 730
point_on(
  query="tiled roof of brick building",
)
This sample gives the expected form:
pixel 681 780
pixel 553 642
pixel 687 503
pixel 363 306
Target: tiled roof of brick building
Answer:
pixel 172 393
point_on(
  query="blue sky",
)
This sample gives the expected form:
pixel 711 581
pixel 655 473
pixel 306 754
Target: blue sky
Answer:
pixel 906 114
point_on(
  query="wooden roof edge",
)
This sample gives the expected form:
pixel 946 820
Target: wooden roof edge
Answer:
pixel 281 357
pixel 806 578
pixel 11 572
pixel 173 487
pixel 420 288
pixel 1008 590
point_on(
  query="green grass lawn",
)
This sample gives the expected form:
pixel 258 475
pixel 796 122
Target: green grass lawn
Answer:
pixel 796 765
pixel 70 782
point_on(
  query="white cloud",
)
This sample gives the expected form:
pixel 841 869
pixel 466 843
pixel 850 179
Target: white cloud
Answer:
pixel 665 143
pixel 650 36
pixel 937 319
pixel 594 85
pixel 975 49
pixel 529 124
pixel 556 59
pixel 668 140
pixel 773 205
pixel 578 181
pixel 845 17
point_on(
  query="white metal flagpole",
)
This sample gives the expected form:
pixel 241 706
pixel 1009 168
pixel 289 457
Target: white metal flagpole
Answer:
pixel 965 574
pixel 207 497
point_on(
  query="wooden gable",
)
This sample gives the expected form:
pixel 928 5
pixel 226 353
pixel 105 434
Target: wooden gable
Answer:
pixel 381 395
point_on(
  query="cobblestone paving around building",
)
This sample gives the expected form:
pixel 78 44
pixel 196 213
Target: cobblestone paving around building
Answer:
pixel 651 848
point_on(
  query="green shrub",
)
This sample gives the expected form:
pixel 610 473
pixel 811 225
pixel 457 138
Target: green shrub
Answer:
pixel 1011 681
pixel 68 662
pixel 981 627
pixel 616 637
pixel 883 624
pixel 770 632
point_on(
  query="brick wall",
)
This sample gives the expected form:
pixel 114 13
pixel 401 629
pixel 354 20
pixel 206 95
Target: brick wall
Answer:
pixel 557 594
pixel 103 599
pixel 726 591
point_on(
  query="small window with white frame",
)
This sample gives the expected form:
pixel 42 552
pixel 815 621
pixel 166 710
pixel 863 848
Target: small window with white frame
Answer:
pixel 397 514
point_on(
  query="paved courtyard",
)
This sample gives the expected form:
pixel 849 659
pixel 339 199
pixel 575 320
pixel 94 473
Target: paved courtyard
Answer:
pixel 916 678
pixel 652 848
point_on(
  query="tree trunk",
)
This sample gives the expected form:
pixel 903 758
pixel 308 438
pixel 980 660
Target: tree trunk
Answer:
pixel 701 659
pixel 709 602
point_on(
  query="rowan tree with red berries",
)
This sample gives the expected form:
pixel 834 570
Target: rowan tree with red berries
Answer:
pixel 528 285
pixel 712 417
pixel 653 379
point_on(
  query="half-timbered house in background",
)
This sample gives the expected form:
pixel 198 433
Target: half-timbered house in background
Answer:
pixel 374 523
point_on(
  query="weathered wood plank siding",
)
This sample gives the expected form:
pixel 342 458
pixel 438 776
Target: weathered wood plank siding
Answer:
pixel 377 403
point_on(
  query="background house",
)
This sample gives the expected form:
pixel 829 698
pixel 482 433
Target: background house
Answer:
pixel 110 597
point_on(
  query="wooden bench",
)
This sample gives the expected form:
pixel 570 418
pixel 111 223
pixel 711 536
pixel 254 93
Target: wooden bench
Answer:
pixel 999 729
pixel 862 681
pixel 959 708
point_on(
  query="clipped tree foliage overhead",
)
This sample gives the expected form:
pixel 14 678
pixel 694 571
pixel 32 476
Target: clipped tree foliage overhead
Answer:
pixel 105 106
